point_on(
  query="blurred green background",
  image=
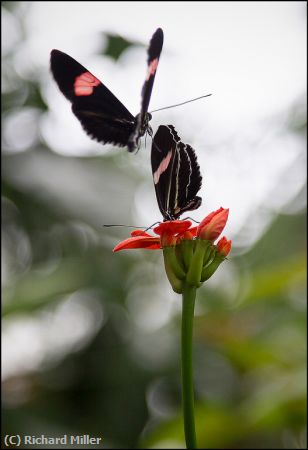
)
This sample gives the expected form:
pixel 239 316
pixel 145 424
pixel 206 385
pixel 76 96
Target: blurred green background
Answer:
pixel 90 339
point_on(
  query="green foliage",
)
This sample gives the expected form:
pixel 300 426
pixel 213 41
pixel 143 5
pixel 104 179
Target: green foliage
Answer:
pixel 117 45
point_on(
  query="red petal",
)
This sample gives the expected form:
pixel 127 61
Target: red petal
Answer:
pixel 193 231
pixel 188 235
pixel 208 218
pixel 172 227
pixel 151 243
pixel 140 233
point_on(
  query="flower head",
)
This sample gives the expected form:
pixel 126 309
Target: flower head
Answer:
pixel 169 233
pixel 189 253
pixel 170 230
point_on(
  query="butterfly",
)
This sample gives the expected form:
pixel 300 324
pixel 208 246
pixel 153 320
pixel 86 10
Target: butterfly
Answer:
pixel 102 115
pixel 176 173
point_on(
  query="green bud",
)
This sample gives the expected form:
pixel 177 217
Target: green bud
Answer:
pixel 193 277
pixel 187 248
pixel 174 270
pixel 211 268
pixel 173 263
pixel 209 254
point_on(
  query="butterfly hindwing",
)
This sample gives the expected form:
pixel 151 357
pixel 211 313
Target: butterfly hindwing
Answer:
pixel 163 159
pixel 176 173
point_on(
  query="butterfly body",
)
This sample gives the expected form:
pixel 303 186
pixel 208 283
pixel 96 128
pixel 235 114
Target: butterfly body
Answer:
pixel 101 114
pixel 176 174
pixel 141 127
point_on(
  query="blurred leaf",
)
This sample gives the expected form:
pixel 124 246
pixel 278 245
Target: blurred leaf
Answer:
pixel 34 289
pixel 229 426
pixel 10 6
pixel 35 98
pixel 273 280
pixel 298 119
pixel 116 45
pixel 216 427
pixel 285 237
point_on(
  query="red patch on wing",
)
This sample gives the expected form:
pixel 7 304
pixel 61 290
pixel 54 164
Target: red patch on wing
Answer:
pixel 152 68
pixel 162 167
pixel 85 83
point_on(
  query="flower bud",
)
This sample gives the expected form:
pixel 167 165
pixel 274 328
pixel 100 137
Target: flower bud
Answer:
pixel 211 227
pixel 224 246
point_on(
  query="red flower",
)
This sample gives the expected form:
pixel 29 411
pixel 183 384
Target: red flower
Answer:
pixel 172 232
pixel 168 232
pixel 213 224
pixel 189 253
pixel 172 227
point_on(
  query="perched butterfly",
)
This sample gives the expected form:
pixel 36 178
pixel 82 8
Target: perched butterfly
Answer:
pixel 101 114
pixel 176 174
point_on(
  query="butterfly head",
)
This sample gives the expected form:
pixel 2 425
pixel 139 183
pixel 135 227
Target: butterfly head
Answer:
pixel 142 121
pixel 141 128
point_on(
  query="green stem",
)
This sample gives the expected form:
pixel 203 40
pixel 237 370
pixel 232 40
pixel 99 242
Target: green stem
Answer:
pixel 189 295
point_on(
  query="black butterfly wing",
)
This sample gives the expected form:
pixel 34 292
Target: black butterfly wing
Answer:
pixel 176 173
pixel 154 51
pixel 101 114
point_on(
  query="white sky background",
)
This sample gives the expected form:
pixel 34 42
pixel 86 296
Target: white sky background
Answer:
pixel 250 55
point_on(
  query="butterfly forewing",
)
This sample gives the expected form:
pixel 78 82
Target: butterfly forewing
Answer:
pixel 176 173
pixel 101 114
pixel 142 119
pixel 154 51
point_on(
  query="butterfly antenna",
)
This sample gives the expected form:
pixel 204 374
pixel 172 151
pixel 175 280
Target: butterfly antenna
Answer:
pixel 151 226
pixel 190 218
pixel 120 225
pixel 180 104
pixel 131 226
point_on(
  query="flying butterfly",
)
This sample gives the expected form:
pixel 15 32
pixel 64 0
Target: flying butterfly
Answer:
pixel 102 115
pixel 176 173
